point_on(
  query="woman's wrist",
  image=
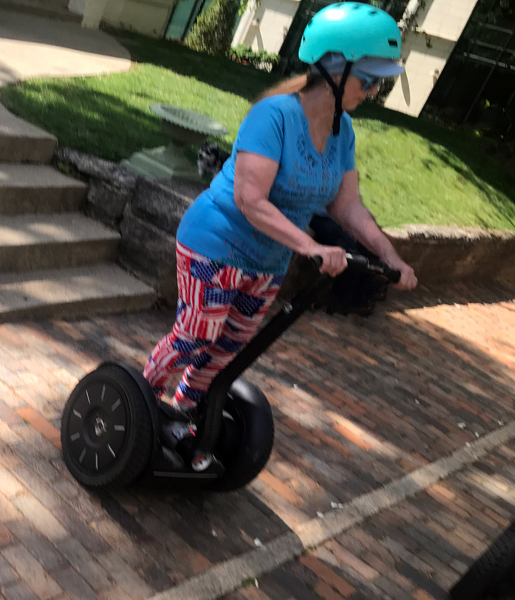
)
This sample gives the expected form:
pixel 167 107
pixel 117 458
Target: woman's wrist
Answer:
pixel 308 246
pixel 385 251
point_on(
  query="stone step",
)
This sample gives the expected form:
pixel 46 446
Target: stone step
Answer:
pixel 38 189
pixel 71 293
pixel 53 9
pixel 32 242
pixel 22 142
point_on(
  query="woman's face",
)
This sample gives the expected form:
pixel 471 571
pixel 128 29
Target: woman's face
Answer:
pixel 355 95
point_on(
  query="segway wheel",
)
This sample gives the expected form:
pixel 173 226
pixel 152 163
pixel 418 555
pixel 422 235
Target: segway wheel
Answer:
pixel 490 572
pixel 106 432
pixel 246 439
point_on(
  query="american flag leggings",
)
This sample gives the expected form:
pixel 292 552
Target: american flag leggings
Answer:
pixel 218 311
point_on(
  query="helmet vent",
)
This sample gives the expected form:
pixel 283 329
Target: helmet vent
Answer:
pixel 373 12
pixel 393 43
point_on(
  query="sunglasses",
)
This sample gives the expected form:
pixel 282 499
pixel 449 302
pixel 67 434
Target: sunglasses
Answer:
pixel 368 81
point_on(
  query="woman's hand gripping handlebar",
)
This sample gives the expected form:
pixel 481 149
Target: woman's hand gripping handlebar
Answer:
pixel 358 262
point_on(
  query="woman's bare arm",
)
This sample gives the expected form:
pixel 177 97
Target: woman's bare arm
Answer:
pixel 253 179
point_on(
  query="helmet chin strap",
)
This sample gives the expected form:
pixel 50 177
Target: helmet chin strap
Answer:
pixel 337 91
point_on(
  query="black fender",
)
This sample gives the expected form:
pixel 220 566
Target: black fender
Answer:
pixel 247 437
pixel 244 389
pixel 146 390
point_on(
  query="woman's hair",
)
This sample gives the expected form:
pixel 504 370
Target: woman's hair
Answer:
pixel 301 83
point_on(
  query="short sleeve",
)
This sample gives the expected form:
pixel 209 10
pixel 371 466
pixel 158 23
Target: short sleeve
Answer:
pixel 262 131
pixel 351 156
pixel 349 140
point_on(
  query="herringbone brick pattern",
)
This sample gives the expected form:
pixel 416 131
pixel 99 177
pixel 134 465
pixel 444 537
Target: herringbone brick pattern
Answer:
pixel 415 551
pixel 357 404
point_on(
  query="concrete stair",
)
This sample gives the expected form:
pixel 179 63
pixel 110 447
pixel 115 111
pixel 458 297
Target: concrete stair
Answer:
pixel 54 261
pixel 55 192
pixel 67 293
pixel 22 142
pixel 32 241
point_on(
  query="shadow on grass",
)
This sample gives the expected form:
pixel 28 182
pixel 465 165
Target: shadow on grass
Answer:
pixel 454 148
pixel 216 71
pixel 85 119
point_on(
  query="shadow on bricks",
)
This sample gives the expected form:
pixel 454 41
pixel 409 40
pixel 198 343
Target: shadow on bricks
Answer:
pixel 357 404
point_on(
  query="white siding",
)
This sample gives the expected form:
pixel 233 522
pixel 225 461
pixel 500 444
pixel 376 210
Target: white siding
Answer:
pixel 268 26
pixel 423 66
pixel 426 52
pixel 447 18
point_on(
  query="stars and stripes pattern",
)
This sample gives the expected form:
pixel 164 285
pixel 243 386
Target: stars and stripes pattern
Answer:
pixel 218 311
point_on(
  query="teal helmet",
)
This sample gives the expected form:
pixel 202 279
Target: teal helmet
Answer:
pixel 353 29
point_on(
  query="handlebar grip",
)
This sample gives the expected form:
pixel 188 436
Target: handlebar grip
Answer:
pixel 358 262
pixel 392 274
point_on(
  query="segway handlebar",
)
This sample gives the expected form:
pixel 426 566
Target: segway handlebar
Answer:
pixel 360 263
pixel 291 311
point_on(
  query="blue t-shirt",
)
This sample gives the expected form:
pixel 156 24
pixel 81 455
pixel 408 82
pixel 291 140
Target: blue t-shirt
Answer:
pixel 306 181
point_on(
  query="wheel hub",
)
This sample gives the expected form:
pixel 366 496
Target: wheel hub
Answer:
pixel 98 426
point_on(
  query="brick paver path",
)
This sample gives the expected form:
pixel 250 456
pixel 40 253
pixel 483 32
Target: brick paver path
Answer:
pixel 357 404
pixel 415 551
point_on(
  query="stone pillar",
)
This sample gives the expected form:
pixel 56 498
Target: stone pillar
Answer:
pixel 93 13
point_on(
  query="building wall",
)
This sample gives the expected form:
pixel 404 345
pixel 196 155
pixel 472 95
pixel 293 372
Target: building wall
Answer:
pixel 447 18
pixel 425 52
pixel 266 27
pixel 261 28
pixel 149 17
pixel 423 66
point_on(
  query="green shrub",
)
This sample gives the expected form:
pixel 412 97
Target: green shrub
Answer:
pixel 259 59
pixel 213 30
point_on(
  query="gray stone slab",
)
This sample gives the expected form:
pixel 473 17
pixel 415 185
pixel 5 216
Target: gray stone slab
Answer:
pixel 32 242
pixel 102 289
pixel 22 142
pixel 38 189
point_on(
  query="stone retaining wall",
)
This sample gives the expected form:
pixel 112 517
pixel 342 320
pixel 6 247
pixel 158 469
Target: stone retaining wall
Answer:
pixel 147 214
pixel 448 253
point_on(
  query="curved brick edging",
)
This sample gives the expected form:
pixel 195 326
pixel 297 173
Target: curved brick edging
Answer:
pixel 147 213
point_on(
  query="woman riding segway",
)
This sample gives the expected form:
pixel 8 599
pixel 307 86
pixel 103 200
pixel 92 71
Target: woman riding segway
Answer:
pixel 294 155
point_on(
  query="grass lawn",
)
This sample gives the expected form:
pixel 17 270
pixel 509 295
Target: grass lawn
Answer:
pixel 411 170
pixel 109 115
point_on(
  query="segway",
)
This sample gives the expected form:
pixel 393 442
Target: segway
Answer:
pixel 112 421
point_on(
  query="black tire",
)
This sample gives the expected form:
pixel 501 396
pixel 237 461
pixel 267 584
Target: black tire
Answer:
pixel 246 439
pixel 506 589
pixel 490 571
pixel 106 432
